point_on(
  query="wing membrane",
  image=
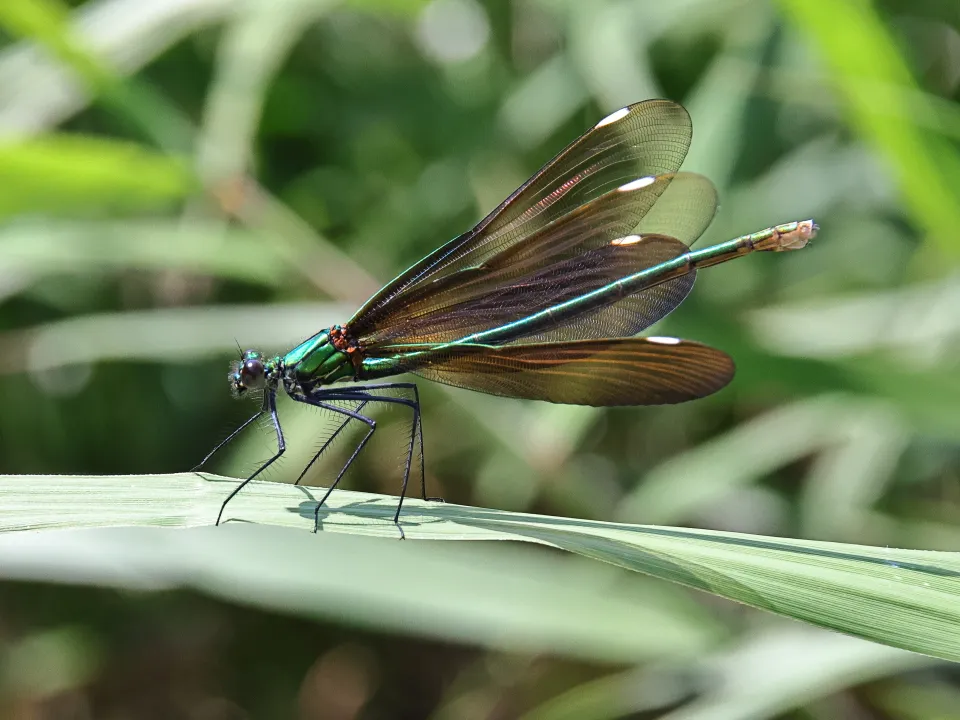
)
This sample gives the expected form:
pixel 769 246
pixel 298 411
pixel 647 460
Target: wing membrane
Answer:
pixel 683 211
pixel 449 319
pixel 585 249
pixel 646 139
pixel 607 372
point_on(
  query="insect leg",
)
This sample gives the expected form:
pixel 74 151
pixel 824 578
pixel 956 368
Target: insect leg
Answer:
pixel 270 406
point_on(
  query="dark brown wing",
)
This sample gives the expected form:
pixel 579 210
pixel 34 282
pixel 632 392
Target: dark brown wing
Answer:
pixel 582 251
pixel 623 371
pixel 646 139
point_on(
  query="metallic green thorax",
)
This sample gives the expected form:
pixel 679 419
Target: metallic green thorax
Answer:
pixel 317 361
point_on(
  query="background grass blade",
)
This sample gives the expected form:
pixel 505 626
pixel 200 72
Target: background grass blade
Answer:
pixel 454 594
pixel 789 666
pixel 77 174
pixel 871 80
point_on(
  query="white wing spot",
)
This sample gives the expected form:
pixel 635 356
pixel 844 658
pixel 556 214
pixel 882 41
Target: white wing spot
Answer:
pixel 664 340
pixel 637 184
pixel 627 240
pixel 613 117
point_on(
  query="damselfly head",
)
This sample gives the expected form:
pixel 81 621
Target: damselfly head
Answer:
pixel 252 372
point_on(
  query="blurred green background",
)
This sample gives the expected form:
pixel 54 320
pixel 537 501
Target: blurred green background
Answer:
pixel 180 174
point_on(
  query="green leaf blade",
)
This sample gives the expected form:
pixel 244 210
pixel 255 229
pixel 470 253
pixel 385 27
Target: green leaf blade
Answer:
pixel 70 173
pixel 905 598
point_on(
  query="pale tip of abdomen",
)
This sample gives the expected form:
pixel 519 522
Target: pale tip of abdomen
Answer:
pixel 793 236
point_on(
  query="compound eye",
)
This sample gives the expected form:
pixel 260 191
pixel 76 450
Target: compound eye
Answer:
pixel 252 373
